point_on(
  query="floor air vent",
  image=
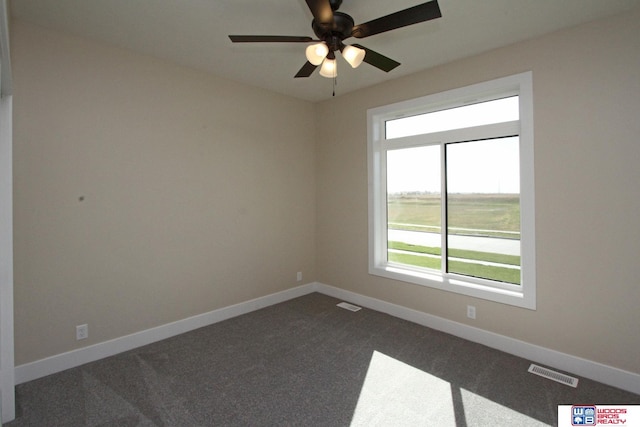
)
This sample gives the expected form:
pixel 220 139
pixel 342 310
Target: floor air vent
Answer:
pixel 348 306
pixel 553 375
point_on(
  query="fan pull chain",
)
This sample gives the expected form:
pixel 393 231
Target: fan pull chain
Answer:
pixel 335 83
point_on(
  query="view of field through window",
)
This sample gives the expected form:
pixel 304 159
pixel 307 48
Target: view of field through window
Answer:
pixel 482 206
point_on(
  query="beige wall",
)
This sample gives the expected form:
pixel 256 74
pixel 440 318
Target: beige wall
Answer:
pixel 198 192
pixel 587 152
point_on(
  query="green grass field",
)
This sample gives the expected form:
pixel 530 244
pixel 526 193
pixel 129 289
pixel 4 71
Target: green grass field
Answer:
pixel 491 215
pixel 414 255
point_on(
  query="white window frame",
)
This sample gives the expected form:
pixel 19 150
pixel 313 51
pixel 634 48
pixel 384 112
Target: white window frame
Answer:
pixel 523 295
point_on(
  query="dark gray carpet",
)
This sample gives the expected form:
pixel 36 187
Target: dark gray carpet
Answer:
pixel 305 362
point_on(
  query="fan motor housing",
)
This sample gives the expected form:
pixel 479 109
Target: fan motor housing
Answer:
pixel 340 28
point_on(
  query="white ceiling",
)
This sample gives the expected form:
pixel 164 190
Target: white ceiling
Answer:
pixel 194 33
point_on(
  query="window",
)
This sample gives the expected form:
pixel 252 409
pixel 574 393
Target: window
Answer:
pixel 451 198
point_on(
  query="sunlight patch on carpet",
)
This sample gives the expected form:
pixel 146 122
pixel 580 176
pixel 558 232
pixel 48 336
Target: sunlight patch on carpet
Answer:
pixel 395 393
pixel 480 411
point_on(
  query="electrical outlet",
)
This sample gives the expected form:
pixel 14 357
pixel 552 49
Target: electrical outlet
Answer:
pixel 471 312
pixel 82 332
pixel 299 276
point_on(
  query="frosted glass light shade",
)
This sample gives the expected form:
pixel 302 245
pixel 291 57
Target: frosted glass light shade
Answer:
pixel 353 55
pixel 329 68
pixel 316 53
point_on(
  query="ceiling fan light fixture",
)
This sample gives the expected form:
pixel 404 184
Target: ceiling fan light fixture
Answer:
pixel 353 55
pixel 329 68
pixel 332 27
pixel 316 53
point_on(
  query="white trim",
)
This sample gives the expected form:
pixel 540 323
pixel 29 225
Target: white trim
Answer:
pixel 7 393
pixel 6 81
pixel 7 371
pixel 585 368
pixel 605 374
pixel 71 359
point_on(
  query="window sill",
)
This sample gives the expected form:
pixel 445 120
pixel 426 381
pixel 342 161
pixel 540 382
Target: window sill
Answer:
pixel 476 288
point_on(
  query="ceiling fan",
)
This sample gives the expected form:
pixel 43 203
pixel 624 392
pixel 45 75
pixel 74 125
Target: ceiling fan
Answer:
pixel 333 27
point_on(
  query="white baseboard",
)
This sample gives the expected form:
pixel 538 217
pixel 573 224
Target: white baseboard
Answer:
pixel 581 367
pixel 609 375
pixel 71 359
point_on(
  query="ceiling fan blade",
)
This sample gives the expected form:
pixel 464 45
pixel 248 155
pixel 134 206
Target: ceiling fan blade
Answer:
pixel 270 39
pixel 378 60
pixel 321 10
pixel 306 70
pixel 413 15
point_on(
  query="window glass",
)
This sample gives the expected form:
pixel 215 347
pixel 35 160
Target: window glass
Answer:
pixel 483 209
pixel 414 206
pixel 482 113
